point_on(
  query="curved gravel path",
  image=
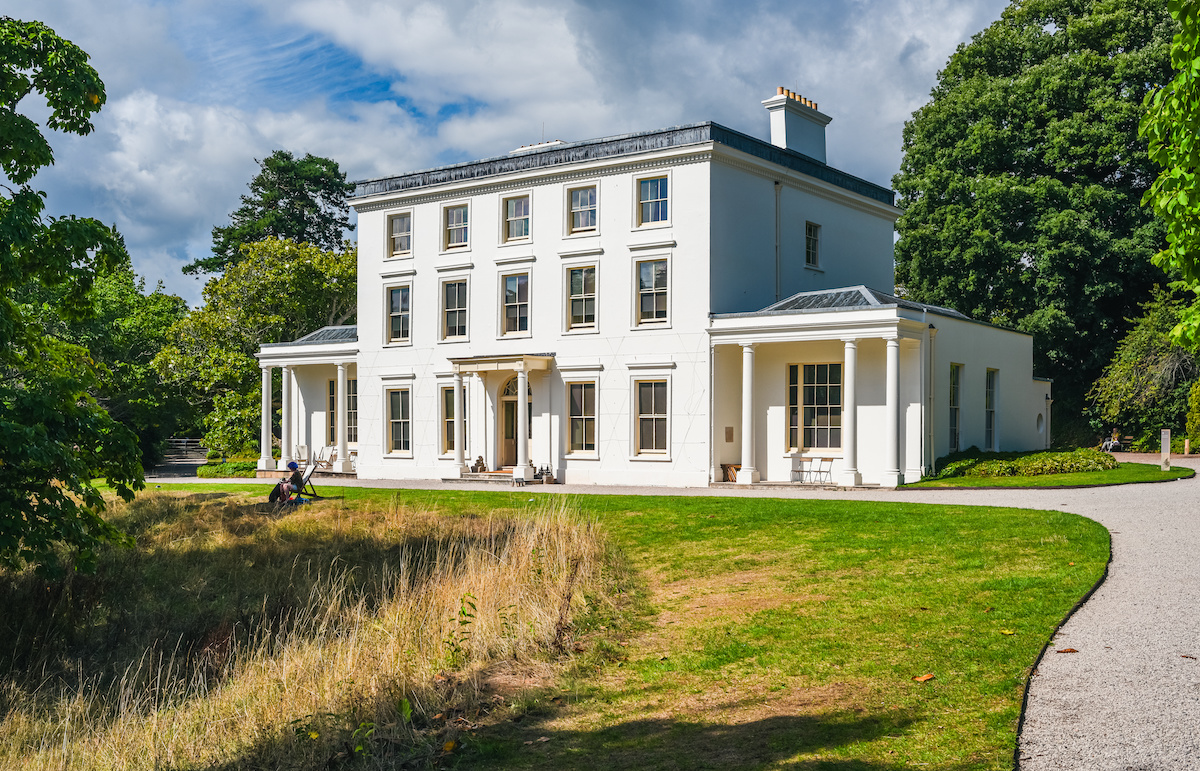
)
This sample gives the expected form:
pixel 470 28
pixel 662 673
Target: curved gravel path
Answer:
pixel 1129 699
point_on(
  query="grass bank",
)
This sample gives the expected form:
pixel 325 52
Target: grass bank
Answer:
pixel 329 636
pixel 767 634
pixel 1124 474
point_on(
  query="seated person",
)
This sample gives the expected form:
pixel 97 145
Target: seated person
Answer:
pixel 282 492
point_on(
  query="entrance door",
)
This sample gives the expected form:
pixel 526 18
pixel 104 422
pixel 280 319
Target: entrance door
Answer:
pixel 508 440
pixel 508 422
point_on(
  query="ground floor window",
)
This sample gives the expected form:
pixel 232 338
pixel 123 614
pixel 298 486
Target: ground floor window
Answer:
pixel 814 406
pixel 399 421
pixel 351 412
pixel 989 411
pixel 448 418
pixel 581 398
pixel 955 387
pixel 651 416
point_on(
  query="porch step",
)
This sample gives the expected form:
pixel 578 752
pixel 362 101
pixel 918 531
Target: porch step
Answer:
pixel 492 477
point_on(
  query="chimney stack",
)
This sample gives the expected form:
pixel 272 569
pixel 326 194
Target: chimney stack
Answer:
pixel 796 124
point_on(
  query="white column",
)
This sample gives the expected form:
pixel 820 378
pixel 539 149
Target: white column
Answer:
pixel 522 470
pixel 850 475
pixel 460 438
pixel 747 474
pixel 265 461
pixel 342 422
pixel 285 421
pixel 891 436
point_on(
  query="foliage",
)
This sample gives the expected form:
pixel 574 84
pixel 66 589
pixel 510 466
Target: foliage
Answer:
pixel 127 329
pixel 1171 128
pixel 55 437
pixel 974 463
pixel 1021 180
pixel 1193 415
pixel 1145 387
pixel 280 291
pixel 238 468
pixel 298 200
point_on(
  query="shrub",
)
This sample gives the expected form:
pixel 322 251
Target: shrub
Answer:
pixel 973 463
pixel 247 469
pixel 213 455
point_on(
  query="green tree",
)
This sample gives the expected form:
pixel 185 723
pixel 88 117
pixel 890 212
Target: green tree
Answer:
pixel 279 291
pixel 1171 127
pixel 1146 384
pixel 300 200
pixel 123 335
pixel 54 437
pixel 1022 177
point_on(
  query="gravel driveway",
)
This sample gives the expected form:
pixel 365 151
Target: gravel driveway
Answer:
pixel 1129 700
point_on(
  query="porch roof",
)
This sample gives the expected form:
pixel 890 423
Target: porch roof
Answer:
pixel 850 298
pixel 327 345
pixel 347 333
pixel 526 361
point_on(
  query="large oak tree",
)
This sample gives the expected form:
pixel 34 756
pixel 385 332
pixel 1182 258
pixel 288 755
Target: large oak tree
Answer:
pixel 1022 180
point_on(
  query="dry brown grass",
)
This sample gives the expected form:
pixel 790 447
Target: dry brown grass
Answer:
pixel 412 616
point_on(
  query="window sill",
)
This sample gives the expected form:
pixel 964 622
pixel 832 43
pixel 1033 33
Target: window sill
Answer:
pixel 593 233
pixel 650 457
pixel 581 331
pixel 397 456
pixel 583 456
pixel 814 268
pixel 455 340
pixel 652 225
pixel 514 336
pixel 644 325
pixel 398 344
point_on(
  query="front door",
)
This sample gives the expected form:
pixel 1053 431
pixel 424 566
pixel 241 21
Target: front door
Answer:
pixel 508 422
pixel 508 436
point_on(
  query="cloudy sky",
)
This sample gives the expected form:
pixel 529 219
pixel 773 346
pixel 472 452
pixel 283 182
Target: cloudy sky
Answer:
pixel 199 89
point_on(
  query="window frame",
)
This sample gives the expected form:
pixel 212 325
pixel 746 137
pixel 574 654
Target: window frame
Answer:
pixel 351 412
pixel 388 340
pixel 989 409
pixel 798 404
pixel 568 298
pixel 391 253
pixel 505 239
pixel 655 323
pixel 446 420
pixel 639 222
pixel 812 245
pixel 955 403
pixel 465 246
pixel 637 452
pixel 389 449
pixel 465 309
pixel 503 304
pixel 582 452
pixel 569 229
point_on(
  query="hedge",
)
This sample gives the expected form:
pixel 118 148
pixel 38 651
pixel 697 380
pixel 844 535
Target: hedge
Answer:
pixel 973 463
pixel 247 469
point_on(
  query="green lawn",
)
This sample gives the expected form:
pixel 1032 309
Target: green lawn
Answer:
pixel 1126 473
pixel 779 634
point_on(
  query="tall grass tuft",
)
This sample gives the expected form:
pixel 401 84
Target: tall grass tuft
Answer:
pixel 231 639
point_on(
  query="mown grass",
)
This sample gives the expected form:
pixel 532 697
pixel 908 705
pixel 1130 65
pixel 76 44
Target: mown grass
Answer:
pixel 1124 474
pixel 788 633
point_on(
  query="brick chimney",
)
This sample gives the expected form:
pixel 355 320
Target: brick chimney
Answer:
pixel 796 124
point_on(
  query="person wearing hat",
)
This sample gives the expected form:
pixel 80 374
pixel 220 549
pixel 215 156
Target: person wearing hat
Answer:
pixel 296 480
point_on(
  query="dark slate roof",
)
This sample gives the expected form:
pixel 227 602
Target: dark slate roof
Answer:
pixel 616 146
pixel 845 298
pixel 344 334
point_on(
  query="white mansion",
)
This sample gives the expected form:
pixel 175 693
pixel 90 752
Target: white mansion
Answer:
pixel 669 306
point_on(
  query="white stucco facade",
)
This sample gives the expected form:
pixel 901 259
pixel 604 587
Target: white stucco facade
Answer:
pixel 652 294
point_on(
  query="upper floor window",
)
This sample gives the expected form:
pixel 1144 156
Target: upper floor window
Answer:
pixel 516 218
pixel 400 233
pixel 812 244
pixel 454 309
pixel 399 314
pixel 583 209
pixel 581 297
pixel 652 291
pixel 516 303
pixel 456 226
pixel 652 200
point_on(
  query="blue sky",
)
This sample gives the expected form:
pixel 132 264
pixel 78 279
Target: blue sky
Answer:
pixel 198 89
